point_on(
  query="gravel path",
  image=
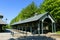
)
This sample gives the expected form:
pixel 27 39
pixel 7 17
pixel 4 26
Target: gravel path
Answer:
pixel 5 36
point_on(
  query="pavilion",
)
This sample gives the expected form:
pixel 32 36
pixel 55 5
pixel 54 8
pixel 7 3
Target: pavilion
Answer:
pixel 2 23
pixel 41 24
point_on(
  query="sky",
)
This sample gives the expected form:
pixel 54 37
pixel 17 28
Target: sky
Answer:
pixel 10 8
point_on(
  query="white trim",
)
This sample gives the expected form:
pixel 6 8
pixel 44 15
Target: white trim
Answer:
pixel 48 17
pixel 51 18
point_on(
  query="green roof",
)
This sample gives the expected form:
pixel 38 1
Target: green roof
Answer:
pixel 34 18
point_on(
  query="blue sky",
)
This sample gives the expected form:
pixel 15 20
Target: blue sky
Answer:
pixel 11 8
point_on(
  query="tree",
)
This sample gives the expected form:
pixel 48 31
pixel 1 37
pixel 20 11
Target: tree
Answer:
pixel 52 6
pixel 27 12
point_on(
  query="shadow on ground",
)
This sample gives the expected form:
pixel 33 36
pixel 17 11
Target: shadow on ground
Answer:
pixel 5 31
pixel 34 38
pixel 11 39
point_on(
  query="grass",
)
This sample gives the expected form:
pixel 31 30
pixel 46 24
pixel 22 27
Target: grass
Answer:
pixel 58 32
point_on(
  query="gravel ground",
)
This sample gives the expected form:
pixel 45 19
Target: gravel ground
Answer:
pixel 7 36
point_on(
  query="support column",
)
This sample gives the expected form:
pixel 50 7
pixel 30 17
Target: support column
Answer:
pixel 52 27
pixel 18 28
pixel 30 29
pixel 25 28
pixel 38 28
pixel 25 31
pixel 22 30
pixel 42 27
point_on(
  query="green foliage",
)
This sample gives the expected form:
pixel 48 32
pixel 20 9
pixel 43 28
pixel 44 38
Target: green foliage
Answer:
pixel 52 6
pixel 8 26
pixel 4 27
pixel 27 12
pixel 58 32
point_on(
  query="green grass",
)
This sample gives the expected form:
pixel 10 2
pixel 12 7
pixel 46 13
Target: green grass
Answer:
pixel 58 32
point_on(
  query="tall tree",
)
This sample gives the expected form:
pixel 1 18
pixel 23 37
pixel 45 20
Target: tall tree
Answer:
pixel 27 12
pixel 52 6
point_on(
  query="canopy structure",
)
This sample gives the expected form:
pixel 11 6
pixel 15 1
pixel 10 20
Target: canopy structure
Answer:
pixel 38 23
pixel 34 18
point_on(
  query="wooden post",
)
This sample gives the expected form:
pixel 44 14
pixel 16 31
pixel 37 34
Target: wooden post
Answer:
pixel 22 29
pixel 18 28
pixel 25 27
pixel 31 29
pixel 52 27
pixel 55 27
pixel 42 26
pixel 38 28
